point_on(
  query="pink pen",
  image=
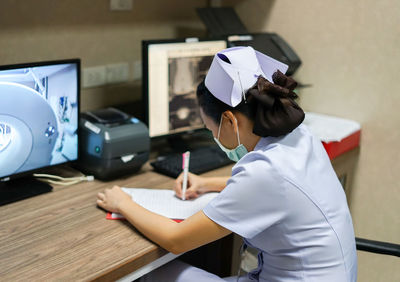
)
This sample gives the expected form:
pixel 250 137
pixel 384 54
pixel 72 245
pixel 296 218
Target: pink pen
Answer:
pixel 185 167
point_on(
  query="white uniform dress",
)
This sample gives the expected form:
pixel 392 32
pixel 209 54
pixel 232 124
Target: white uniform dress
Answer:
pixel 285 199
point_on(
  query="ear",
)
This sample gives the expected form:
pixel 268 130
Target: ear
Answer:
pixel 228 115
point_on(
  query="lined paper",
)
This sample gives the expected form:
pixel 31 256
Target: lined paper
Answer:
pixel 165 202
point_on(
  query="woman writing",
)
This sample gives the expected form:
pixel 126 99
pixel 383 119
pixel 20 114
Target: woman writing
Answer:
pixel 283 196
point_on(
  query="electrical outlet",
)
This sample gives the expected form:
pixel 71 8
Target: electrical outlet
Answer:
pixel 117 73
pixel 137 70
pixel 93 76
pixel 121 5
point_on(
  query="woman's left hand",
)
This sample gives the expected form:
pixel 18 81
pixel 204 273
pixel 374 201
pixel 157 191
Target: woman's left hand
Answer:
pixel 112 199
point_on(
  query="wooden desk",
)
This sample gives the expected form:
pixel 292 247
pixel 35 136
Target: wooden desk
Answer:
pixel 63 236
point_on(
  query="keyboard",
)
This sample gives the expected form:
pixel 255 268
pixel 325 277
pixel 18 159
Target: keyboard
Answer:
pixel 201 160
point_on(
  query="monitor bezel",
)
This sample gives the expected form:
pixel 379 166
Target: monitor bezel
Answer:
pixel 76 61
pixel 145 77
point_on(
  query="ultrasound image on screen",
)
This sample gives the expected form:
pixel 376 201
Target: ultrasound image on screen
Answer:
pixel 38 117
pixel 184 75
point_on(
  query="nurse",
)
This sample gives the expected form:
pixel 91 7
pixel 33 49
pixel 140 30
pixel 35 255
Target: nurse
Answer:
pixel 283 196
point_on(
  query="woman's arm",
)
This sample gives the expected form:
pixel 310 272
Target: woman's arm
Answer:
pixel 189 234
pixel 216 184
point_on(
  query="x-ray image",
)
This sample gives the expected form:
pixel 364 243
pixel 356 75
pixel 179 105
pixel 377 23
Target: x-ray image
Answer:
pixel 38 117
pixel 185 74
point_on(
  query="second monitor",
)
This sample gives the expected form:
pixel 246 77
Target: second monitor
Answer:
pixel 172 69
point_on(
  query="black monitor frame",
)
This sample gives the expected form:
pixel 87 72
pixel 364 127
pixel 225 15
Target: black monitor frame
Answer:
pixel 145 78
pixel 76 61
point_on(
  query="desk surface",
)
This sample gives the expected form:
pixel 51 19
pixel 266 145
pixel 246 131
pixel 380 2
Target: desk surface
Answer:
pixel 62 235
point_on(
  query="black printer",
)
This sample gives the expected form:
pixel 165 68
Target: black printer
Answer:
pixel 112 143
pixel 223 22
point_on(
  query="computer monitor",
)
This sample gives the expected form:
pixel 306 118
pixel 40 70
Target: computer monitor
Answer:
pixel 39 114
pixel 172 69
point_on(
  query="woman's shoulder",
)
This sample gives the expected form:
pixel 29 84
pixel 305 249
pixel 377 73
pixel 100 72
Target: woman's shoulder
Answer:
pixel 256 165
pixel 278 154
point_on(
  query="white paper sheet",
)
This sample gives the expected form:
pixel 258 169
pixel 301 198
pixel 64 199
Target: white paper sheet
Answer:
pixel 164 202
pixel 329 128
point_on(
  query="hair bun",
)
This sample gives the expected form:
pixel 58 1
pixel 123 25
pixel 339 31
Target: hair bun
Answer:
pixel 277 113
pixel 285 81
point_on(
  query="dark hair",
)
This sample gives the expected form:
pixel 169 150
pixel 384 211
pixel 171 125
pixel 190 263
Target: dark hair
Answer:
pixel 270 105
pixel 214 108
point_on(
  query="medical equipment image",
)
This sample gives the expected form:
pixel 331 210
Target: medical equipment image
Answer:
pixel 184 76
pixel 29 129
pixel 172 69
pixel 39 111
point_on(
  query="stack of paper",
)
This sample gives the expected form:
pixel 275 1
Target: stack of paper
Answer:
pixel 329 128
pixel 338 135
pixel 164 202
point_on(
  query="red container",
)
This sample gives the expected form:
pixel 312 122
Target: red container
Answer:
pixel 335 149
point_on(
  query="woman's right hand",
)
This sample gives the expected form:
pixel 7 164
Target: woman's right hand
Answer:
pixel 196 185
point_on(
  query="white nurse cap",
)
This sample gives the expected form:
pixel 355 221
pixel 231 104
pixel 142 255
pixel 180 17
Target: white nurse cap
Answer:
pixel 229 82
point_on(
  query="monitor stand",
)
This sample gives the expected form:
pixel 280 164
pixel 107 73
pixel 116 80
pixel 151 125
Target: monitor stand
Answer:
pixel 21 188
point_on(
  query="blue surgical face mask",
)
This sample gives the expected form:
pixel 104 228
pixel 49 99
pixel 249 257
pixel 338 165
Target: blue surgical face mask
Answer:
pixel 234 154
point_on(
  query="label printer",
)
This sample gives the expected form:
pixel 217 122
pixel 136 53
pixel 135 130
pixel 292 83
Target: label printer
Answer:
pixel 112 143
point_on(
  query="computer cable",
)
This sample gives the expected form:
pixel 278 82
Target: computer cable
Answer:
pixel 65 181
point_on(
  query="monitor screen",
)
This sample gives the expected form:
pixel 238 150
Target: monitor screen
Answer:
pixel 39 110
pixel 171 72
